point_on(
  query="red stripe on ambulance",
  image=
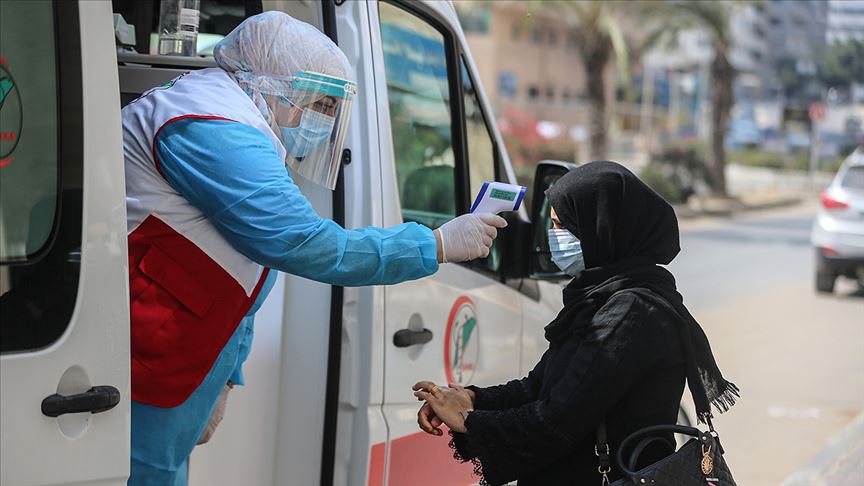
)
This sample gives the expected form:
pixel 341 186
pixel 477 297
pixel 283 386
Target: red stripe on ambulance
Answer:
pixel 419 460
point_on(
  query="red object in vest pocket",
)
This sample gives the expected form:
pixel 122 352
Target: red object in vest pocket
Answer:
pixel 184 309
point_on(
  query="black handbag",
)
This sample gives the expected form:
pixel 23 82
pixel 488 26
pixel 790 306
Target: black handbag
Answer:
pixel 699 462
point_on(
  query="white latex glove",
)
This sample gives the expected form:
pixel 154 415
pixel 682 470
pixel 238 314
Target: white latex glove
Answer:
pixel 215 417
pixel 469 236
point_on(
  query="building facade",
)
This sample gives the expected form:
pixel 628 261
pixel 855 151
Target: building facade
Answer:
pixel 527 57
pixel 845 20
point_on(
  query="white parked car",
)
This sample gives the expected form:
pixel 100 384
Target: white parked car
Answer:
pixel 838 233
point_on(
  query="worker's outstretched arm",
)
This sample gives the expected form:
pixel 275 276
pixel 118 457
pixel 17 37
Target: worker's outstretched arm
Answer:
pixel 232 173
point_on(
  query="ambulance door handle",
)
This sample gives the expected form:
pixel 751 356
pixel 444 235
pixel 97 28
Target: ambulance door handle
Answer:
pixel 407 337
pixel 96 399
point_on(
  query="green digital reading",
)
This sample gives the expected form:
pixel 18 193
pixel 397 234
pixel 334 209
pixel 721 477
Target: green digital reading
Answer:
pixel 505 195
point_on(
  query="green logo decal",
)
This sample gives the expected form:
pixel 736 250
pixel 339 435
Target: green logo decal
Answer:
pixel 461 342
pixel 5 87
pixel 11 114
pixel 463 339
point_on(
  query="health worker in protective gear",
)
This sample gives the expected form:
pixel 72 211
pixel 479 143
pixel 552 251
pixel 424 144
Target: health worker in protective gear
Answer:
pixel 213 213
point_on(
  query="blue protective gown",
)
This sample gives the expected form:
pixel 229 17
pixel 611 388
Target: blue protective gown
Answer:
pixel 232 174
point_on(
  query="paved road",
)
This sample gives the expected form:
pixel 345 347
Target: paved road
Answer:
pixel 797 357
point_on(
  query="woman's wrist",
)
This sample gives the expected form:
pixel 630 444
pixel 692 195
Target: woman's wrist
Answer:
pixel 462 428
pixel 440 245
pixel 472 395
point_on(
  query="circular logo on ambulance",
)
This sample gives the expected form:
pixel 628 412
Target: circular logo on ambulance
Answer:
pixel 11 114
pixel 461 342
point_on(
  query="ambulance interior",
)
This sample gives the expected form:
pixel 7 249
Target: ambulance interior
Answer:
pixel 139 66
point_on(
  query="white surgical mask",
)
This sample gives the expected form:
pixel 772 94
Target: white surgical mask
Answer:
pixel 566 251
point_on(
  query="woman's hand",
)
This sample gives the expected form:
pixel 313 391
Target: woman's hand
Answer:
pixel 428 421
pixel 449 405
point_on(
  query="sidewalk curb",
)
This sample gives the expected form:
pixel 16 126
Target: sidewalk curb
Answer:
pixel 685 211
pixel 843 455
pixel 779 202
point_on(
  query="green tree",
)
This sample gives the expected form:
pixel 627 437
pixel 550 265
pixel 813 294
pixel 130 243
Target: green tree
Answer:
pixel 843 64
pixel 599 33
pixel 798 83
pixel 711 17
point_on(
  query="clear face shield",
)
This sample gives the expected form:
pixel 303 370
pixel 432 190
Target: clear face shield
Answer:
pixel 312 122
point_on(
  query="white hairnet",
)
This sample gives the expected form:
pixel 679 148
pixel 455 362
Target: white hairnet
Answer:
pixel 265 50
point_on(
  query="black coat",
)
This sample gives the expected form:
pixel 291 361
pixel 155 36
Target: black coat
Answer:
pixel 626 365
pixel 620 349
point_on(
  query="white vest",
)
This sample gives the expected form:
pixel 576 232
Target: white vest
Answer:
pixel 208 93
pixel 189 288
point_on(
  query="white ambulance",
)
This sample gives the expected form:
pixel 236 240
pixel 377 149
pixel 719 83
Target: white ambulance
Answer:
pixel 328 398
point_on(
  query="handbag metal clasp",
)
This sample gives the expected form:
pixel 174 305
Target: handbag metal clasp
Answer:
pixel 605 473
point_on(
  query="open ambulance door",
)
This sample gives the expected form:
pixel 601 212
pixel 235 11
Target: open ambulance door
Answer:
pixel 64 303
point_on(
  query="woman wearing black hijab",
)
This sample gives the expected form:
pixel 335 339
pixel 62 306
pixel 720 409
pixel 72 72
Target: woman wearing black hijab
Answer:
pixel 619 351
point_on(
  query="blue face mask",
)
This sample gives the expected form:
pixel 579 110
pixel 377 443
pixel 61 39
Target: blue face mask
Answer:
pixel 312 132
pixel 566 251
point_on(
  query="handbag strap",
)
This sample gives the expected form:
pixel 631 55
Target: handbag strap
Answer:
pixel 643 444
pixel 601 450
pixel 704 437
pixel 714 433
pixel 601 447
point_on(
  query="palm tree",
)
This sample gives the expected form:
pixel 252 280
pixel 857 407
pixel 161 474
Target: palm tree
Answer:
pixel 713 18
pixel 597 29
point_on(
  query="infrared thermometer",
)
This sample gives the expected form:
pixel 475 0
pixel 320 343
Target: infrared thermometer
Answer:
pixel 497 197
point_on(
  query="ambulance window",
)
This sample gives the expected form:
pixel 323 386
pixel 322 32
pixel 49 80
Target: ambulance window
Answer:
pixel 419 97
pixel 482 157
pixel 40 171
pixel 481 149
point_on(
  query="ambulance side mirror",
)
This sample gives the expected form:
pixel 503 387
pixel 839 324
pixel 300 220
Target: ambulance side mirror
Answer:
pixel 540 264
pixel 524 244
pixel 513 243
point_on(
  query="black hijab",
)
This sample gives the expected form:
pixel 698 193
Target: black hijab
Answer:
pixel 627 230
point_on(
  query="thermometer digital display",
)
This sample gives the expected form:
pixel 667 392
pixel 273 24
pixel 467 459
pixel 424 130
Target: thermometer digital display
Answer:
pixel 498 197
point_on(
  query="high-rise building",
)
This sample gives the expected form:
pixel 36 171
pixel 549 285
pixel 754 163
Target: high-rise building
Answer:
pixel 795 36
pixel 764 35
pixel 527 58
pixel 795 29
pixel 845 20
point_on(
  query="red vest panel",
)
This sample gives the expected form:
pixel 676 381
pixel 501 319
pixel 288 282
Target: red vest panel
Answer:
pixel 185 308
